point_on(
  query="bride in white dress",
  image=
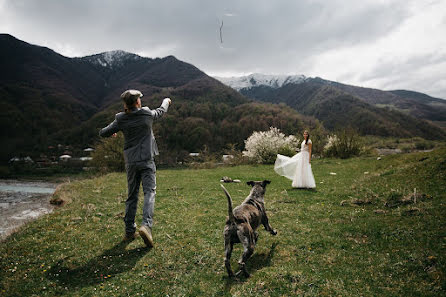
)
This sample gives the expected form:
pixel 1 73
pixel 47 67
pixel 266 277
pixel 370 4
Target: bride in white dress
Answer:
pixel 298 167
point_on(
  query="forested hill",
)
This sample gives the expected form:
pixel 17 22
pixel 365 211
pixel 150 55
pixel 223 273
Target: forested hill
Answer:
pixel 47 99
pixel 372 112
pixel 216 127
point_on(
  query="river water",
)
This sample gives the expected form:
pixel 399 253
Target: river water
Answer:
pixel 22 201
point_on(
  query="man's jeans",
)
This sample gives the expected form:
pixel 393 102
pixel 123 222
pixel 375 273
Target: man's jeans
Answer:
pixel 136 172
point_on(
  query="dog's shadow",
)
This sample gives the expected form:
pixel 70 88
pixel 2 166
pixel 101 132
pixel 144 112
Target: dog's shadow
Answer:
pixel 256 262
pixel 111 262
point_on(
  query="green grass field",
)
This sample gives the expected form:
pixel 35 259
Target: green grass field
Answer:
pixel 340 240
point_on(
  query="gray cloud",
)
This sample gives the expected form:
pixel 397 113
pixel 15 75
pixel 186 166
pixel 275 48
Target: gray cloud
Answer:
pixel 400 68
pixel 258 36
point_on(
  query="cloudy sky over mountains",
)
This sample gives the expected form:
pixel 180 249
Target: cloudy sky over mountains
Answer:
pixel 395 44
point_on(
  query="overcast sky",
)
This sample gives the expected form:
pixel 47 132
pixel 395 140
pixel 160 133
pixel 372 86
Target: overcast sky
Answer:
pixel 395 44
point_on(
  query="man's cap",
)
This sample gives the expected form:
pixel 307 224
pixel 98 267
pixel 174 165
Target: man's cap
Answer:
pixel 134 94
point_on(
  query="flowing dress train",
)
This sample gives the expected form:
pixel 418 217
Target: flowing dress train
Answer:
pixel 297 168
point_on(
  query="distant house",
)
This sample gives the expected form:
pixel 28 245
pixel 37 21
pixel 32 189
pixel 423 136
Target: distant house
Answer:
pixel 21 160
pixel 15 159
pixel 65 158
pixel 194 154
pixel 227 158
pixel 85 159
pixel 43 161
pixel 88 149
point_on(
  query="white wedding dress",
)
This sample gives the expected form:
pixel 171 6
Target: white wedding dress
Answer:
pixel 297 168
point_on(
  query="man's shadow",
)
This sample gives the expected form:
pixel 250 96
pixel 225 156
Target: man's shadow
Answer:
pixel 256 262
pixel 111 262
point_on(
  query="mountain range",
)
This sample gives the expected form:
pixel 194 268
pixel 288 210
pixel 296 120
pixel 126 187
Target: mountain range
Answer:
pixel 47 99
pixel 387 113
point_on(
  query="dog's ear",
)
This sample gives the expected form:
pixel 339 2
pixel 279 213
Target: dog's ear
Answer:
pixel 250 183
pixel 265 182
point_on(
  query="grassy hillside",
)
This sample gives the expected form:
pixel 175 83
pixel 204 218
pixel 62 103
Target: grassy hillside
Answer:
pixel 338 240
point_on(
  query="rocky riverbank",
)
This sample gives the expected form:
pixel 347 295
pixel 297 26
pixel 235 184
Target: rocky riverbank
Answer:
pixel 22 201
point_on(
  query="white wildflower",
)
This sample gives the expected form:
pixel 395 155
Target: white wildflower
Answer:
pixel 331 141
pixel 263 146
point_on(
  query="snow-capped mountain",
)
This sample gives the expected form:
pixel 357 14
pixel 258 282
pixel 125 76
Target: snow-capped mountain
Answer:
pixel 298 91
pixel 257 79
pixel 112 59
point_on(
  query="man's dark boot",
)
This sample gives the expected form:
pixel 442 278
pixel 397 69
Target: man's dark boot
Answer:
pixel 129 236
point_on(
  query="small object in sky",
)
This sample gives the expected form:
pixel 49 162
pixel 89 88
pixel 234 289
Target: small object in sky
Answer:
pixel 221 36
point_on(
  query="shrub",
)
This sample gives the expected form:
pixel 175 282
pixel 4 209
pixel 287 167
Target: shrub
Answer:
pixel 423 145
pixel 108 154
pixel 238 157
pixel 204 160
pixel 407 147
pixel 330 147
pixel 319 138
pixel 22 166
pixel 345 144
pixel 4 172
pixel 263 146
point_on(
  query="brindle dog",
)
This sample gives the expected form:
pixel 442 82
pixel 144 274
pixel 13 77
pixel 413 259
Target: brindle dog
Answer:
pixel 242 223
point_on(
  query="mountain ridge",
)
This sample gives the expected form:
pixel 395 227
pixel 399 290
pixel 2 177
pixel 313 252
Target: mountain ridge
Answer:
pixel 111 58
pixel 337 105
pixel 258 79
pixel 236 82
pixel 47 99
pixel 413 103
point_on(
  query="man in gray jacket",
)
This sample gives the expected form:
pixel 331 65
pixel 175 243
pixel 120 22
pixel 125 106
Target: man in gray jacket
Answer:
pixel 139 149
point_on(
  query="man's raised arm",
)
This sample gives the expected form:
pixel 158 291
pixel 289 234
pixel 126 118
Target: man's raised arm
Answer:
pixel 109 130
pixel 157 113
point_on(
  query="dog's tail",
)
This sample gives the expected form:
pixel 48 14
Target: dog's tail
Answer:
pixel 231 215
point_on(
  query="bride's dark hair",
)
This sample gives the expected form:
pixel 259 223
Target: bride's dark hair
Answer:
pixel 306 140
